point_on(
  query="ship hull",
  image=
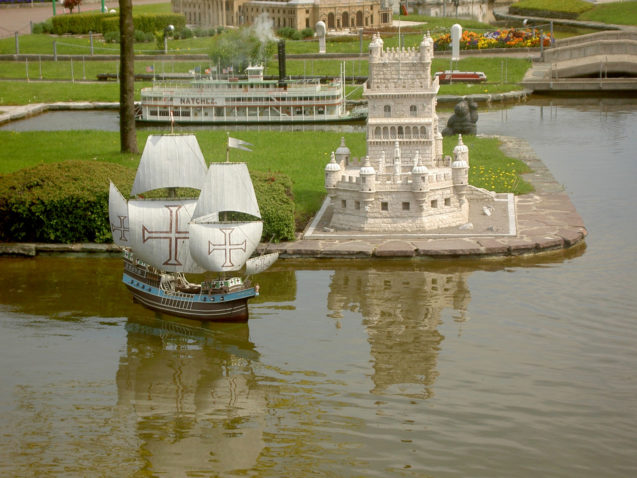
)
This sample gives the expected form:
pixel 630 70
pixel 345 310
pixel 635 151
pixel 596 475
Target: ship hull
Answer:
pixel 223 307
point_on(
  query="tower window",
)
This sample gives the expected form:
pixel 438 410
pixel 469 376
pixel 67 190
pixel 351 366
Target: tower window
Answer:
pixel 413 110
pixel 434 203
pixel 384 206
pixel 343 203
pixel 405 206
pixel 387 111
pixel 357 205
pixel 447 202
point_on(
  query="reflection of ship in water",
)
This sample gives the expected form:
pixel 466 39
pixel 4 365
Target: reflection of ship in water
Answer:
pixel 194 393
pixel 402 311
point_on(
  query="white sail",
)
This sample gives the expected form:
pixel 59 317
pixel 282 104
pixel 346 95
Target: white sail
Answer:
pixel 258 264
pixel 118 216
pixel 159 233
pixel 228 187
pixel 170 161
pixel 224 246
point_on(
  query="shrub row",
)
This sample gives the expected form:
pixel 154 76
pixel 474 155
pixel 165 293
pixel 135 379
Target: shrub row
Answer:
pixel 68 202
pixel 147 23
pixel 83 23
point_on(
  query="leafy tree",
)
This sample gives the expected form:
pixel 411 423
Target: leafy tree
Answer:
pixel 240 48
pixel 71 4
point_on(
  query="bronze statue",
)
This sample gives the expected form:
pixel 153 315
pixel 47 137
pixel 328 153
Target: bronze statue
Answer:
pixel 463 120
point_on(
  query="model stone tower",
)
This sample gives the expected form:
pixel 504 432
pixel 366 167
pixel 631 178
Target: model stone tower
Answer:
pixel 404 184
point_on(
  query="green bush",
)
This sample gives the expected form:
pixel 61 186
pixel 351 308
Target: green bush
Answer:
pixel 43 27
pixel 107 22
pixel 143 37
pixel 183 33
pixel 274 194
pixel 61 202
pixel 68 202
pixel 290 33
pixel 80 23
pixel 111 37
pixel 110 25
pixel 307 33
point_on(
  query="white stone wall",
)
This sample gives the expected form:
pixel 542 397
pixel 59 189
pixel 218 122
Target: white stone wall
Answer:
pixel 402 111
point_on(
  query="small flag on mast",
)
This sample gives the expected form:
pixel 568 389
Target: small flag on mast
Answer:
pixel 238 144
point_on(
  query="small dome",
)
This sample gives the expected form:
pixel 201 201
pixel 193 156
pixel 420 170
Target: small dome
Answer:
pixel 367 168
pixel 342 149
pixel 332 165
pixel 460 147
pixel 419 168
pixel 459 164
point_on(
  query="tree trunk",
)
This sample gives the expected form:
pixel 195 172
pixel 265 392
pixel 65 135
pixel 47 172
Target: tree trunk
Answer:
pixel 127 133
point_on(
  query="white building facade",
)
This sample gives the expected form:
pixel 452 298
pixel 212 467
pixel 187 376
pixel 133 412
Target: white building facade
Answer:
pixel 404 184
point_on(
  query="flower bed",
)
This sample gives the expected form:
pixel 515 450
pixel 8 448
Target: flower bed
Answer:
pixel 509 38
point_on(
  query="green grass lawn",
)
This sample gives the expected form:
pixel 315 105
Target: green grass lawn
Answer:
pixel 88 70
pixel 503 74
pixel 568 6
pixel 300 155
pixel 621 13
pixel 22 93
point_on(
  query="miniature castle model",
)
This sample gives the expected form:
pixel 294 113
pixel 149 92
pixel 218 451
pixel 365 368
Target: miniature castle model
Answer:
pixel 403 184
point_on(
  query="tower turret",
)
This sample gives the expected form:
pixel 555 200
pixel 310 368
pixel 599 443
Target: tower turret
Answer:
pixel 342 154
pixel 332 175
pixel 368 181
pixel 397 162
pixel 460 169
pixel 381 163
pixel 461 151
pixel 419 184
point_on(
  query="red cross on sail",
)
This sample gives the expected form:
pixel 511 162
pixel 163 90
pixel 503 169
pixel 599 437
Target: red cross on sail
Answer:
pixel 172 235
pixel 122 228
pixel 227 247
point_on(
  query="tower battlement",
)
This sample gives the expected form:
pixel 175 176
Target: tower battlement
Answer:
pixel 403 184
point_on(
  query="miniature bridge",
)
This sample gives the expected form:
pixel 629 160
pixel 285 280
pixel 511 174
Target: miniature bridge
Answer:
pixel 599 61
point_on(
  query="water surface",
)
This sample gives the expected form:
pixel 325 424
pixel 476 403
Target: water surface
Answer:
pixel 522 367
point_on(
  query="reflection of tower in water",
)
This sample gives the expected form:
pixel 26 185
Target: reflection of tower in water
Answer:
pixel 194 395
pixel 401 311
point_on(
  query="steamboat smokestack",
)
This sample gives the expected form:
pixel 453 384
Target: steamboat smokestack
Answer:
pixel 281 55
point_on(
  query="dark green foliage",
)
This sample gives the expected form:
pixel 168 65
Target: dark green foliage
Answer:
pixel 44 27
pixel 80 22
pixel 68 202
pixel 307 33
pixel 61 202
pixel 183 33
pixel 274 194
pixel 111 37
pixel 240 48
pixel 289 33
pixel 108 22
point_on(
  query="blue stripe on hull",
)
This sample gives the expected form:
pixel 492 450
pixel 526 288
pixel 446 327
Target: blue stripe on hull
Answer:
pixel 221 307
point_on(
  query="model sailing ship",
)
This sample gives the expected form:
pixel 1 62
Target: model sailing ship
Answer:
pixel 164 239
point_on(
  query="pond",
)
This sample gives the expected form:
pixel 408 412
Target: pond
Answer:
pixel 521 367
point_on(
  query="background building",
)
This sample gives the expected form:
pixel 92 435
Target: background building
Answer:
pixel 298 14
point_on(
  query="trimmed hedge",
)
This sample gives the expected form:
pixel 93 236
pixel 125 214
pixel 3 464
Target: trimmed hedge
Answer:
pixel 67 202
pixel 83 23
pixel 79 23
pixel 147 23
